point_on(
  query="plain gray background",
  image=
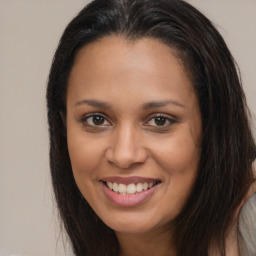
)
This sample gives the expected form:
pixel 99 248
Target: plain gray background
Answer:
pixel 29 33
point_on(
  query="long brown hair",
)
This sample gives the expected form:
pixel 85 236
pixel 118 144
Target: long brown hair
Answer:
pixel 228 149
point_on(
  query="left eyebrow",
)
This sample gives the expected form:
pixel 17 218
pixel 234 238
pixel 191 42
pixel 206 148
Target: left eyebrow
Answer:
pixel 94 103
pixel 158 104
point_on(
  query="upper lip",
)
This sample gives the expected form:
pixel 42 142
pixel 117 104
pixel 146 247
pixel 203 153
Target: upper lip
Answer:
pixel 128 180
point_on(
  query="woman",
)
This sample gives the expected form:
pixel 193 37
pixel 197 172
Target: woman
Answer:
pixel 150 146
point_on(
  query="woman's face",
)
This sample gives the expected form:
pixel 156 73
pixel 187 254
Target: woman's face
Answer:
pixel 134 132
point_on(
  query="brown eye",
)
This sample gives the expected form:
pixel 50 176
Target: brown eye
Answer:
pixel 98 120
pixel 95 120
pixel 160 121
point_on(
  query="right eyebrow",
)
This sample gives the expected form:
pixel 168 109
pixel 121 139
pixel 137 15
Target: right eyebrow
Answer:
pixel 158 104
pixel 94 103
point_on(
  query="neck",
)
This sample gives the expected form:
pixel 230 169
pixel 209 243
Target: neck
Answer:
pixel 153 244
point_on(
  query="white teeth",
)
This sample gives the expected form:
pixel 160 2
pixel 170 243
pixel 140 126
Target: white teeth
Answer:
pixel 115 187
pixel 122 189
pixel 139 187
pixel 130 188
pixel 150 185
pixel 110 185
pixel 145 186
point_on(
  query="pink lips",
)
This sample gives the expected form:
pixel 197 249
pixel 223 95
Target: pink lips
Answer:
pixel 132 199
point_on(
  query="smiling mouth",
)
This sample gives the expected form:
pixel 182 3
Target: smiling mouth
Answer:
pixel 130 189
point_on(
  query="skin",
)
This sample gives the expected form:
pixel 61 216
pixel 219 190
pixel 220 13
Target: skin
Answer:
pixel 126 75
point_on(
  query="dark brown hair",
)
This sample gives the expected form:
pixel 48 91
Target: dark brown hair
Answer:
pixel 228 149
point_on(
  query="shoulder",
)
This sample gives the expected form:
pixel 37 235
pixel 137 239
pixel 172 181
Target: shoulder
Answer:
pixel 247 226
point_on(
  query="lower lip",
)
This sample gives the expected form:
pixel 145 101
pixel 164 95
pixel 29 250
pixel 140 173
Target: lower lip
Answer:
pixel 128 200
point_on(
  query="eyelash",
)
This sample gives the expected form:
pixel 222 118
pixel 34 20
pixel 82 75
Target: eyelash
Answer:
pixel 166 118
pixel 85 118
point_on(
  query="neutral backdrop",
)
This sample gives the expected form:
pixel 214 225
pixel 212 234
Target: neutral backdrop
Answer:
pixel 29 33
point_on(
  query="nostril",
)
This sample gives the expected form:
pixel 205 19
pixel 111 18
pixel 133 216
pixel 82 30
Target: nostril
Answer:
pixel 126 157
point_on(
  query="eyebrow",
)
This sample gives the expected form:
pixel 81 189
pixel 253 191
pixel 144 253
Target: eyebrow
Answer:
pixel 94 103
pixel 146 106
pixel 158 104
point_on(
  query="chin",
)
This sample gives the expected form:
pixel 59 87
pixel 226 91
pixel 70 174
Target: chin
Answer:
pixel 135 224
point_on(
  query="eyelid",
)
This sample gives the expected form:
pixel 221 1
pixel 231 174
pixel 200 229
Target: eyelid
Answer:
pixel 169 118
pixel 86 116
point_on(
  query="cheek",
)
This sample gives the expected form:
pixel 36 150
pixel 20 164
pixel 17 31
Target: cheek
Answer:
pixel 179 155
pixel 84 154
pixel 85 160
pixel 179 159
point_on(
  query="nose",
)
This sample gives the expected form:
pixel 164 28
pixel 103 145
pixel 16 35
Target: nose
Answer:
pixel 126 148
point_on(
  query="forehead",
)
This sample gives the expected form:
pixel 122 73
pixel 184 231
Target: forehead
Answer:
pixel 113 64
pixel 110 50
